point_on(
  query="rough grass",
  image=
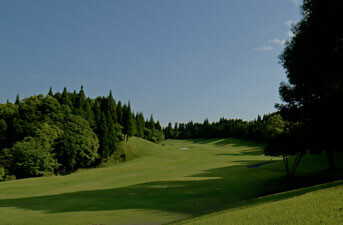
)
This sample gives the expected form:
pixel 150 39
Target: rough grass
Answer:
pixel 178 180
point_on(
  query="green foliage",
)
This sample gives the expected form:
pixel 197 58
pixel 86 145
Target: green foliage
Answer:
pixel 152 132
pixel 140 123
pixel 120 113
pixel 81 132
pixel 2 173
pixel 224 128
pixel 274 126
pixel 17 100
pixel 3 133
pixel 286 139
pixel 312 60
pixel 128 123
pixel 29 158
pixel 78 145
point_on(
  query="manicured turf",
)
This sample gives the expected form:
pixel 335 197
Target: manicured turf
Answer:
pixel 158 184
pixel 322 204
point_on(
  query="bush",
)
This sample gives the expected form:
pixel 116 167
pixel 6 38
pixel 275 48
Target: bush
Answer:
pixel 28 158
pixel 2 173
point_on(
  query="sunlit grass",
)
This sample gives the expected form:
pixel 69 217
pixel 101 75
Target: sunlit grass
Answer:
pixel 159 183
pixel 322 204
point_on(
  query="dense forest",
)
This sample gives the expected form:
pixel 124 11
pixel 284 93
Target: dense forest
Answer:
pixel 63 132
pixel 224 128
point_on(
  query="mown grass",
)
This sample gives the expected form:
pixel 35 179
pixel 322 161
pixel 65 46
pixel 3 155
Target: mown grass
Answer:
pixel 322 204
pixel 180 179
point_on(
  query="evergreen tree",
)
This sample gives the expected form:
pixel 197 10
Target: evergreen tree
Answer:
pixel 65 98
pixel 50 91
pixel 120 113
pixel 80 100
pixel 128 121
pixel 112 107
pixel 89 114
pixel 169 132
pixel 112 136
pixel 17 100
pixel 176 130
pixel 158 125
pixel 140 124
pixel 104 140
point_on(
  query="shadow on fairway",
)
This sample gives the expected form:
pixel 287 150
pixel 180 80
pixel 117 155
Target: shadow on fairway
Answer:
pixel 218 189
pixel 250 152
pixel 220 142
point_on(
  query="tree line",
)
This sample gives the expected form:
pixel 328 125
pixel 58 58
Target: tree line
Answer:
pixel 224 128
pixel 63 132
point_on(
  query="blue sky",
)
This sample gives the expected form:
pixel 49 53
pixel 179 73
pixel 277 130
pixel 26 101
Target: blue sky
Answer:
pixel 179 60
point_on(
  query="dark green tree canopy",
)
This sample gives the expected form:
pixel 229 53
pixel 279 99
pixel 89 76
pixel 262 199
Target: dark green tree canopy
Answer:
pixel 312 59
pixel 61 133
pixel 313 96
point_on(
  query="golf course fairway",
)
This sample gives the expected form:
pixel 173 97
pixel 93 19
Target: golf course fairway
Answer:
pixel 159 184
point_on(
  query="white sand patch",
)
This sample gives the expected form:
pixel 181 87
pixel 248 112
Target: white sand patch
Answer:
pixel 184 148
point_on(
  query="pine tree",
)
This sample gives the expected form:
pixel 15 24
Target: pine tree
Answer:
pixel 112 139
pixel 89 114
pixel 65 98
pixel 120 113
pixel 127 120
pixel 81 98
pixel 158 126
pixel 104 141
pixel 112 107
pixel 176 130
pixel 50 91
pixel 151 123
pixel 17 100
pixel 140 124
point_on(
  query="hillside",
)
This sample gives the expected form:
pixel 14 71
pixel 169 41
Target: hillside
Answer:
pixel 320 204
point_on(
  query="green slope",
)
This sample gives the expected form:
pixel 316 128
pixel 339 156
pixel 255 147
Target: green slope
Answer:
pixel 322 204
pixel 158 184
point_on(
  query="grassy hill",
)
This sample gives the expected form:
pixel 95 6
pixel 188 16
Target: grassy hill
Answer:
pixel 322 204
pixel 160 183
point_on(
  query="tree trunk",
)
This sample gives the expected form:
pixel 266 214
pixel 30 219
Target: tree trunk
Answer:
pixel 285 162
pixel 296 163
pixel 331 159
pixel 290 171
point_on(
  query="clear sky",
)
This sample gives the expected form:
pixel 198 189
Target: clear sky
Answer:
pixel 179 60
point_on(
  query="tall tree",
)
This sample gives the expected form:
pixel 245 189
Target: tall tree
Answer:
pixel 112 107
pixel 65 98
pixel 127 121
pixel 50 91
pixel 140 124
pixel 312 60
pixel 120 113
pixel 17 100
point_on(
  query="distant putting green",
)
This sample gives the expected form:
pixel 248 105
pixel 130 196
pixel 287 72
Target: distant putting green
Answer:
pixel 160 183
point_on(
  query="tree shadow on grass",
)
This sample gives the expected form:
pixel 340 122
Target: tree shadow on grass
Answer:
pixel 220 142
pixel 203 140
pixel 248 152
pixel 209 191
